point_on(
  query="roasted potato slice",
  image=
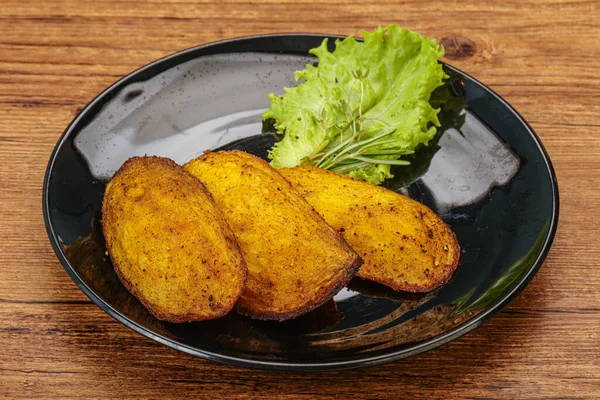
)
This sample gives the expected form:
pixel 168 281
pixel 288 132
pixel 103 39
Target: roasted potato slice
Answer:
pixel 169 244
pixel 404 244
pixel 296 262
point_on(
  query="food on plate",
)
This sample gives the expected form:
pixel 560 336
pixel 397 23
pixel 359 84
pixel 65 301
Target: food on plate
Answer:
pixel 169 244
pixel 296 261
pixel 229 229
pixel 404 244
pixel 363 108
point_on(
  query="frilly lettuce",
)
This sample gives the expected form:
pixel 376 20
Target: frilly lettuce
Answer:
pixel 363 107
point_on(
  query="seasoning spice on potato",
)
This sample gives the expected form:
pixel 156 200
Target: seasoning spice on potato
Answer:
pixel 169 244
pixel 404 244
pixel 296 261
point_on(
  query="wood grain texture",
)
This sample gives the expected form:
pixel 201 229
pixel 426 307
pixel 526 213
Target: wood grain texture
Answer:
pixel 56 55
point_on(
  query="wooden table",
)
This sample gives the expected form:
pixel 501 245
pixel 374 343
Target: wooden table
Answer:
pixel 56 55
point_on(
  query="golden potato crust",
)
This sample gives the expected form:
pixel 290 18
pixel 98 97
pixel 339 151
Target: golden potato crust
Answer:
pixel 404 244
pixel 169 244
pixel 296 262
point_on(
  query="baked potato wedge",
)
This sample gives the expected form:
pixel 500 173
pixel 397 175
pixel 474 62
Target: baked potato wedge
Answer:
pixel 296 262
pixel 169 244
pixel 404 244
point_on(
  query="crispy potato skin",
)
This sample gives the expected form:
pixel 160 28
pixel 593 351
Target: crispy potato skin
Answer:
pixel 169 244
pixel 296 262
pixel 404 244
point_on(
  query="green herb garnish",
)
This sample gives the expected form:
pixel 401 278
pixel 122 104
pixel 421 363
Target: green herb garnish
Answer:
pixel 363 107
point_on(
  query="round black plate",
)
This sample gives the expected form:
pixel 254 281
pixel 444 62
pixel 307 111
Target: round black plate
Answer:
pixel 486 174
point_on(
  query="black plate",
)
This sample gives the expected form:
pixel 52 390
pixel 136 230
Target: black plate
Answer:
pixel 487 175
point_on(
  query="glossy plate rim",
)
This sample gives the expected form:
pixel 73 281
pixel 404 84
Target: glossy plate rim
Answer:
pixel 288 366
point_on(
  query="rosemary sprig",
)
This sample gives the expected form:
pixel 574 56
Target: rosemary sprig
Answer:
pixel 353 151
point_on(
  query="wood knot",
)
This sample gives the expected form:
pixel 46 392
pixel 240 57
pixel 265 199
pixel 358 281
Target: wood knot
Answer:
pixel 458 47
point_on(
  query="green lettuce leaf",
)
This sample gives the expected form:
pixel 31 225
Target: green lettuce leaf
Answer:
pixel 363 107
